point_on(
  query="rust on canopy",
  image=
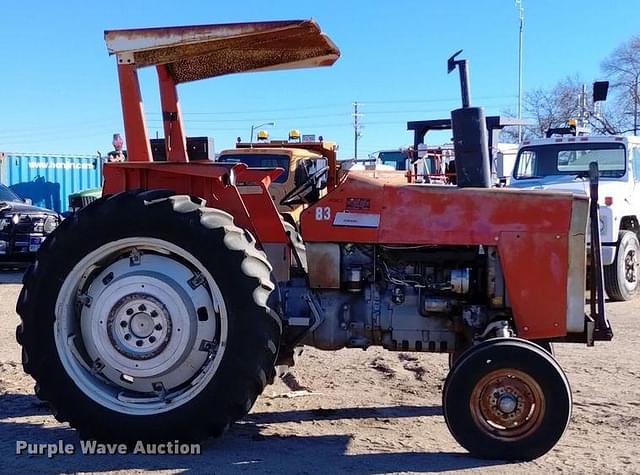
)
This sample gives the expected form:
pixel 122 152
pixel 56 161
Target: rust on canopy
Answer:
pixel 199 52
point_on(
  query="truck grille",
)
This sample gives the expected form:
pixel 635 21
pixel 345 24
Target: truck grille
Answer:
pixel 25 225
pixel 77 202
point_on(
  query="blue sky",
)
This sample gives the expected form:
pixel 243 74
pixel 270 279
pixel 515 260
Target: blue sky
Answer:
pixel 59 91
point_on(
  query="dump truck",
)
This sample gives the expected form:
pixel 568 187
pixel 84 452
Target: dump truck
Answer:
pixel 298 160
pixel 160 310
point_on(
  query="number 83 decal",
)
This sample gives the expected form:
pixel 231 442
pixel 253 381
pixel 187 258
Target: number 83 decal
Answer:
pixel 323 213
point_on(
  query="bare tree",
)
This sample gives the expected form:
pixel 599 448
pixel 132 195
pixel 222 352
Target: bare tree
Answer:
pixel 549 108
pixel 623 70
pixel 553 107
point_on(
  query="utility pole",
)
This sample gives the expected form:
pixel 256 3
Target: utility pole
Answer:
pixel 635 107
pixel 356 129
pixel 582 105
pixel 520 45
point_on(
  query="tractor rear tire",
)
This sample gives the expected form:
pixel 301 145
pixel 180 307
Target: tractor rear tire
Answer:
pixel 146 317
pixel 621 279
pixel 507 399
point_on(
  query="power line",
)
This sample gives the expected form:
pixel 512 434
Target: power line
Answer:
pixel 12 144
pixel 242 128
pixel 421 111
pixel 39 131
pixel 253 119
pixel 317 116
pixel 257 111
pixel 332 106
pixel 426 101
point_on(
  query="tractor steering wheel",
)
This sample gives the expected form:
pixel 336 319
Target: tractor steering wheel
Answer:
pixel 298 193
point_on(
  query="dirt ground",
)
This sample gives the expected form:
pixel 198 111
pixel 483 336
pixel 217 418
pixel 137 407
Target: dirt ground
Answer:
pixel 363 412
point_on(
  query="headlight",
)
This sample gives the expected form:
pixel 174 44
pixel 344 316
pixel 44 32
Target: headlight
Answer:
pixel 50 223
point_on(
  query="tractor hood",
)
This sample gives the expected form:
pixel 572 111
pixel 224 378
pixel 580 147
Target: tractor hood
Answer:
pixel 203 51
pixel 616 189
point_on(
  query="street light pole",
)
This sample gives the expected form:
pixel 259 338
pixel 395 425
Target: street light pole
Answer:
pixel 253 127
pixel 520 44
pixel 635 107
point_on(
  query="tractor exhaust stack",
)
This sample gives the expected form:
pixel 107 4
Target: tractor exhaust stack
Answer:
pixel 470 139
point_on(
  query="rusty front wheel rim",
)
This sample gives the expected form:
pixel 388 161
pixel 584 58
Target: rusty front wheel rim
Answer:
pixel 507 404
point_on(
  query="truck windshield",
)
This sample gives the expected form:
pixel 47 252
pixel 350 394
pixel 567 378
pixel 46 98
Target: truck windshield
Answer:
pixel 7 195
pixel 396 158
pixel 570 159
pixel 262 160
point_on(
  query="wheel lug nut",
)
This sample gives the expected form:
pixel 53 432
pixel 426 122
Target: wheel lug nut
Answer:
pixel 142 307
pixel 127 336
pixel 152 339
pixel 123 324
pixel 158 327
pixel 139 342
pixel 129 311
pixel 154 314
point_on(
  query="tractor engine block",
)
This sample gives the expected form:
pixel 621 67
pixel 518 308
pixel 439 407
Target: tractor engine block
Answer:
pixel 409 298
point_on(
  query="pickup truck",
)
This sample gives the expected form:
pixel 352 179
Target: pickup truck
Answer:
pixel 23 227
pixel 561 164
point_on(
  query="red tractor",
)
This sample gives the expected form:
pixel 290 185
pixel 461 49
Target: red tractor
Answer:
pixel 161 310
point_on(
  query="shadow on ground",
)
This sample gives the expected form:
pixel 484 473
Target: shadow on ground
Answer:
pixel 388 412
pixel 243 448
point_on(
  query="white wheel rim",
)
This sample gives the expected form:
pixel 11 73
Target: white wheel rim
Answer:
pixel 141 326
pixel 631 269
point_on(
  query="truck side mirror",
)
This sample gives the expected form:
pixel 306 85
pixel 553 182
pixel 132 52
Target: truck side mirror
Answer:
pixel 600 91
pixel 301 173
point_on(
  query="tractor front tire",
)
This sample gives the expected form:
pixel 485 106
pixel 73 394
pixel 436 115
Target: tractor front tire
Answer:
pixel 145 317
pixel 507 399
pixel 545 345
pixel 621 278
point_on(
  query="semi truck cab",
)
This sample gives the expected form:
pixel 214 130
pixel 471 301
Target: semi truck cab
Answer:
pixel 561 163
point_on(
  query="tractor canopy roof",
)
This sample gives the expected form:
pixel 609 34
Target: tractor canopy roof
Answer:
pixel 203 51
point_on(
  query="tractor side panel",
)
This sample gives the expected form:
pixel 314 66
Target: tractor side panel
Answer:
pixel 367 210
pixel 435 214
pixel 253 186
pixel 257 213
pixel 535 271
pixel 328 219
